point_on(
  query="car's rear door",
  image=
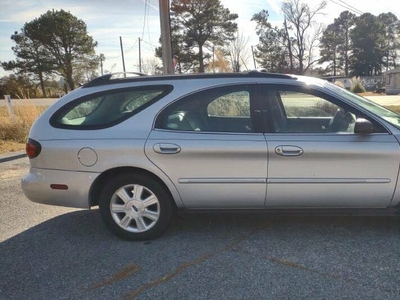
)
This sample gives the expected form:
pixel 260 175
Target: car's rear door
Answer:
pixel 208 145
pixel 316 164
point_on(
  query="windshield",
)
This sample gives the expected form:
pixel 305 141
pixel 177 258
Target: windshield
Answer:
pixel 386 114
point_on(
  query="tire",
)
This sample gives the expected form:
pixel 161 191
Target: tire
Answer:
pixel 135 207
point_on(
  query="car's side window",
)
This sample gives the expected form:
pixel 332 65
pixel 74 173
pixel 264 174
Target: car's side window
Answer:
pixel 293 111
pixel 236 104
pixel 106 108
pixel 224 109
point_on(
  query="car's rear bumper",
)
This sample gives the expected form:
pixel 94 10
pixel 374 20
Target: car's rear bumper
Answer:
pixel 37 187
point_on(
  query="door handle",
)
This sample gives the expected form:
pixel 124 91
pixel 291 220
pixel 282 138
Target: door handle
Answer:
pixel 165 148
pixel 289 151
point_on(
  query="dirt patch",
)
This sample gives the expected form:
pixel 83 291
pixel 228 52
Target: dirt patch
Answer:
pixel 12 173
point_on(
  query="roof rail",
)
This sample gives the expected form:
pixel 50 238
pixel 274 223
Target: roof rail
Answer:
pixel 109 78
pixel 122 78
pixel 265 73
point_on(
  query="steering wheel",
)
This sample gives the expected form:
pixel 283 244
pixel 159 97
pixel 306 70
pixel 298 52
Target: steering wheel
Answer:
pixel 341 121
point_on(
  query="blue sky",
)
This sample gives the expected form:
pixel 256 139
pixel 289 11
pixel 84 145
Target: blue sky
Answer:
pixel 108 20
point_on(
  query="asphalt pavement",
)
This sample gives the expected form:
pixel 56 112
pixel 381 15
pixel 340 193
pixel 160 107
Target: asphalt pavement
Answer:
pixel 49 252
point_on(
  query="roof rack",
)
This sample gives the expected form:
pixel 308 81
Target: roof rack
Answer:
pixel 266 73
pixel 121 77
pixel 109 78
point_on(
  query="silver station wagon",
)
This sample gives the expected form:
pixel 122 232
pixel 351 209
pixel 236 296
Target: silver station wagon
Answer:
pixel 142 147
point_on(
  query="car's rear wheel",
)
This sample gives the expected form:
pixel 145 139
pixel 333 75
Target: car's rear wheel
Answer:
pixel 135 207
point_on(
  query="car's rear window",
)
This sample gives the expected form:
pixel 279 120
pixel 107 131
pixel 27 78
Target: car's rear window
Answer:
pixel 106 108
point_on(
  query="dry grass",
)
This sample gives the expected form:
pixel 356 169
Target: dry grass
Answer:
pixel 395 108
pixel 366 94
pixel 14 131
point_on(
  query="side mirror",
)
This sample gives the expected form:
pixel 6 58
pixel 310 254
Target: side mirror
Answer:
pixel 363 126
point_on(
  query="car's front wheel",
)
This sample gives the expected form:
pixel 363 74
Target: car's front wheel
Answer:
pixel 135 207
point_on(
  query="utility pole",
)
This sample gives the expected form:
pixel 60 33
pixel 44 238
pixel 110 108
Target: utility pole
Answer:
pixel 140 58
pixel 122 53
pixel 166 37
pixel 254 60
pixel 101 63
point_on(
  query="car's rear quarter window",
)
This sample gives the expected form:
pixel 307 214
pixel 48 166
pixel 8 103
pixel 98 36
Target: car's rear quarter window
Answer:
pixel 107 108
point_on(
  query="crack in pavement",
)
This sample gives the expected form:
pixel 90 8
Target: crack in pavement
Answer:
pixel 294 265
pixel 122 274
pixel 185 266
pixel 232 246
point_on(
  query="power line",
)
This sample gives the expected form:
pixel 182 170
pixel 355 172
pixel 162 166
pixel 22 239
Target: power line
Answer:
pixel 125 51
pixel 352 7
pixel 152 6
pixel 134 45
pixel 147 23
pixel 348 7
pixel 149 43
pixel 146 8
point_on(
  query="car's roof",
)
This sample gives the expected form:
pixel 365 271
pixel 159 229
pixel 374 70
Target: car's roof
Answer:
pixel 127 77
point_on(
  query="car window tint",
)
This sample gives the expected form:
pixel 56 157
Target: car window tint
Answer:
pixel 82 110
pixel 225 109
pixel 304 105
pixel 293 111
pixel 105 109
pixel 232 104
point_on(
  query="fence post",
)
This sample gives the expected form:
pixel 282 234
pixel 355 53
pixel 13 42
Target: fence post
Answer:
pixel 10 107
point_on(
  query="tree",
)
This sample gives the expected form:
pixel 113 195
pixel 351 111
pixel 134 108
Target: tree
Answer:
pixel 345 23
pixel 86 69
pixel 55 42
pixel 367 37
pixel 302 31
pixel 219 63
pixel 363 45
pixel 272 49
pixel 17 86
pixel 66 38
pixel 186 58
pixel 238 52
pixel 152 66
pixel 329 47
pixel 335 43
pixel 32 57
pixel 391 41
pixel 200 24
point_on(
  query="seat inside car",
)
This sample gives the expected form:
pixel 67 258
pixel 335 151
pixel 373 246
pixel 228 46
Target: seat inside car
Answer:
pixel 186 121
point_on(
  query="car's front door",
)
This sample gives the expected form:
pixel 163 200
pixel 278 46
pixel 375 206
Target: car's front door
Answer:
pixel 208 146
pixel 317 161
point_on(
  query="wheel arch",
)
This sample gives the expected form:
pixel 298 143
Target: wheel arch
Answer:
pixel 95 189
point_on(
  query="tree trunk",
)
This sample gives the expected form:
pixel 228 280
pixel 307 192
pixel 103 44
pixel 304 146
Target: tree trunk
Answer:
pixel 201 59
pixel 334 63
pixel 69 79
pixel 301 57
pixel 70 82
pixel 346 53
pixel 42 84
pixel 289 47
